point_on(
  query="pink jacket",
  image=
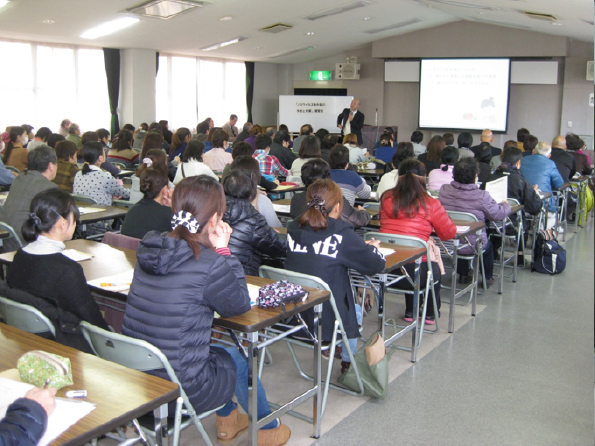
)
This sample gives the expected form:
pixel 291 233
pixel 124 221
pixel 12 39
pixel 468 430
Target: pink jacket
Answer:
pixel 438 177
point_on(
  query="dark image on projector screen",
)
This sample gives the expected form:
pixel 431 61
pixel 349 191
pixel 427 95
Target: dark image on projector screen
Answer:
pixel 464 94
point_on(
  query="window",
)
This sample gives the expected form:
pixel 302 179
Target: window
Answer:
pixel 53 83
pixel 191 89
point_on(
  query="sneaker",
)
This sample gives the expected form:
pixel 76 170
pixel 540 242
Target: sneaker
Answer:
pixel 327 353
pixel 408 317
pixel 274 437
pixel 230 427
pixel 430 320
pixel 345 366
pixel 490 282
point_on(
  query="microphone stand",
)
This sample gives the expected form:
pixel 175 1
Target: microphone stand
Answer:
pixel 376 123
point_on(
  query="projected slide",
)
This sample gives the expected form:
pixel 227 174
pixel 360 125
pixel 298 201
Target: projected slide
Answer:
pixel 465 94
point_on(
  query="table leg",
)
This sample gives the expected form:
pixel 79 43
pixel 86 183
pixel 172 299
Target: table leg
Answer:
pixel 252 339
pixel 317 402
pixel 502 259
pixel 160 416
pixel 416 335
pixel 381 289
pixel 478 250
pixel 453 286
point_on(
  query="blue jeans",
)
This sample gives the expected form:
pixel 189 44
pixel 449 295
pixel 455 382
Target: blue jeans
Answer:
pixel 353 342
pixel 242 389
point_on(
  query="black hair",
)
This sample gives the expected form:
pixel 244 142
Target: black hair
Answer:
pixel 403 151
pixel 240 184
pixel 315 169
pixel 129 127
pixel 306 130
pixel 53 139
pixel 329 141
pixel 125 138
pixel 246 162
pixel 202 127
pixel 521 134
pixel 417 137
pixel 43 133
pixel 47 207
pixel 281 137
pixel 194 150
pixel 339 157
pixel 310 148
pixel 409 194
pixel 321 133
pixel 241 148
pixel 466 170
pixel 65 149
pixel 14 133
pixel 262 141
pixel 484 153
pixel 574 142
pixel 91 153
pixel 152 180
pixel 102 133
pixel 465 139
pixel 449 156
pixel 512 155
pixel 530 143
pixel 40 158
pixel 449 138
pixel 385 140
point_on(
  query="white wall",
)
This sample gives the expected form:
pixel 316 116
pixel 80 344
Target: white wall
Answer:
pixel 137 86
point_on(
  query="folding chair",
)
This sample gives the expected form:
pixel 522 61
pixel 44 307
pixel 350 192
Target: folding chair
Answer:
pixel 84 199
pixel 25 317
pixel 12 169
pixel 143 356
pixel 123 203
pixel 120 241
pixel 11 233
pixel 119 165
pixel 312 282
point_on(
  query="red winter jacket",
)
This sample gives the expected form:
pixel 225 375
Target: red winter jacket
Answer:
pixel 420 226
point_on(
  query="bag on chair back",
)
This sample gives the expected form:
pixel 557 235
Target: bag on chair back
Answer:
pixel 550 257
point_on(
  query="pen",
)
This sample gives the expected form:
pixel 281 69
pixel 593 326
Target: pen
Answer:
pixel 47 383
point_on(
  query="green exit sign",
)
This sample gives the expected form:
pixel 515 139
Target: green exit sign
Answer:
pixel 320 75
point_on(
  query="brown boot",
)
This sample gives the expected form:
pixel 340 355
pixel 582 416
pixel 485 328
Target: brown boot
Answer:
pixel 230 427
pixel 274 437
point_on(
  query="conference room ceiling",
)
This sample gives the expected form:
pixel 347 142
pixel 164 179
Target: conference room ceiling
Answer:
pixel 202 27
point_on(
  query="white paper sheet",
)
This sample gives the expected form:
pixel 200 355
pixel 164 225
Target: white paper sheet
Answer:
pixel 282 208
pixel 461 229
pixel 65 415
pixel 373 194
pixel 84 210
pixel 386 251
pixel 117 283
pixel 498 189
pixel 253 293
pixel 75 255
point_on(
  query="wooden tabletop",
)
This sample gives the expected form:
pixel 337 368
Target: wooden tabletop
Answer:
pixel 371 173
pixel 4 234
pixel 285 202
pixel 120 393
pixel 402 256
pixel 516 208
pixel 474 226
pixel 258 318
pixel 296 188
pixel 108 213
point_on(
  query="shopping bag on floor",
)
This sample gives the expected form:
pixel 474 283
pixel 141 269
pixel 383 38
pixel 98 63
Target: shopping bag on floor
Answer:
pixel 372 365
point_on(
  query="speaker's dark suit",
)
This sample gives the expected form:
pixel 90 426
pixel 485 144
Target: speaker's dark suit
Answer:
pixel 356 124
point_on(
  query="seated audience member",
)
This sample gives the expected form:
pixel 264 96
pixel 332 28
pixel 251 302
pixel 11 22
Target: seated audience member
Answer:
pixel 280 149
pixel 575 146
pixel 305 130
pixel 192 164
pixel 179 142
pixel 252 236
pixel 463 195
pixel 6 176
pixel 30 135
pixel 122 151
pixel 54 139
pixel 245 133
pixel 432 157
pixel 261 202
pixel 539 170
pixel 390 133
pixel 153 212
pixel 15 211
pixel 449 139
pixel 385 150
pixel 64 126
pixel 217 158
pixel 165 131
pixel 74 135
pixel 309 149
pixel 416 139
pixel 41 137
pixel 389 179
pixel 269 165
pixel 564 161
pixel 93 181
pixel 85 138
pixel 104 138
pixel 328 142
pixel 521 134
pixel 40 268
pixel 155 127
pixel 518 188
pixel 230 128
pixel 26 419
pixel 254 131
pixel 190 270
pixel 284 128
pixel 351 184
pixel 343 250
pixel 438 177
pixel 152 158
pixel 15 152
pixel 487 137
pixel 483 155
pixel 67 167
pixel 267 182
pixel 316 169
pixel 321 133
pixel 357 154
pixel 407 209
pixel 530 142
pixel 139 136
pixel 464 142
pixel 154 140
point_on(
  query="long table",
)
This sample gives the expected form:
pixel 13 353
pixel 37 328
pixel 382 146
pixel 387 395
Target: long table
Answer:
pixel 121 394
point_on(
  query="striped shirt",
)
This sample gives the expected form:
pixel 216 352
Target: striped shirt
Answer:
pixel 351 184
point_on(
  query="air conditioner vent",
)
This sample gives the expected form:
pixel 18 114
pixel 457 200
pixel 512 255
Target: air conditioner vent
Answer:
pixel 338 10
pixel 166 9
pixel 276 28
pixel 541 16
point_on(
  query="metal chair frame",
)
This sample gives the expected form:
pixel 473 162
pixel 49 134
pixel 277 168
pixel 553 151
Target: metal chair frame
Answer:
pixel 6 227
pixel 25 317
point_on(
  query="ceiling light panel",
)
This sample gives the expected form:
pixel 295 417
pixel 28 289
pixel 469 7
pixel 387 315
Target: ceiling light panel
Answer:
pixel 338 10
pixel 216 46
pixel 166 9
pixel 464 5
pixel 109 27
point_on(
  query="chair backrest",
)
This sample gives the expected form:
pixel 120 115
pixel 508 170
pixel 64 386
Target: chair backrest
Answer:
pixel 122 166
pixel 13 169
pixel 120 241
pixel 25 317
pixel 385 153
pixel 127 180
pixel 465 216
pixel 372 206
pixel 123 203
pixel 11 233
pixel 513 201
pixel 84 199
pixel 396 239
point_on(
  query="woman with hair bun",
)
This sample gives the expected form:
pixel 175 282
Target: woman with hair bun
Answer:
pixel 322 245
pixel 192 164
pixel 153 212
pixel 152 157
pixel 180 280
pixel 41 269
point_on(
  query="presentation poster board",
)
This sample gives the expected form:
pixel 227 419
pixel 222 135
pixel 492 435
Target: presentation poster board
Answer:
pixel 318 111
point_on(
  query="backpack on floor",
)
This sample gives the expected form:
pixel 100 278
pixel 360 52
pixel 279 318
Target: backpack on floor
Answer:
pixel 549 256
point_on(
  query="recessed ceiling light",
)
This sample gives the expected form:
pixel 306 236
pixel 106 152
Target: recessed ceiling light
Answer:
pixel 310 33
pixel 258 48
pixel 227 18
pixel 166 9
pixel 3 3
pixel 48 21
pixel 216 46
pixel 366 18
pixel 556 24
pixel 109 27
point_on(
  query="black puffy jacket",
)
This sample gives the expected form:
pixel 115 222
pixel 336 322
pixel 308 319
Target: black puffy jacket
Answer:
pixel 518 188
pixel 171 303
pixel 24 423
pixel 251 236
